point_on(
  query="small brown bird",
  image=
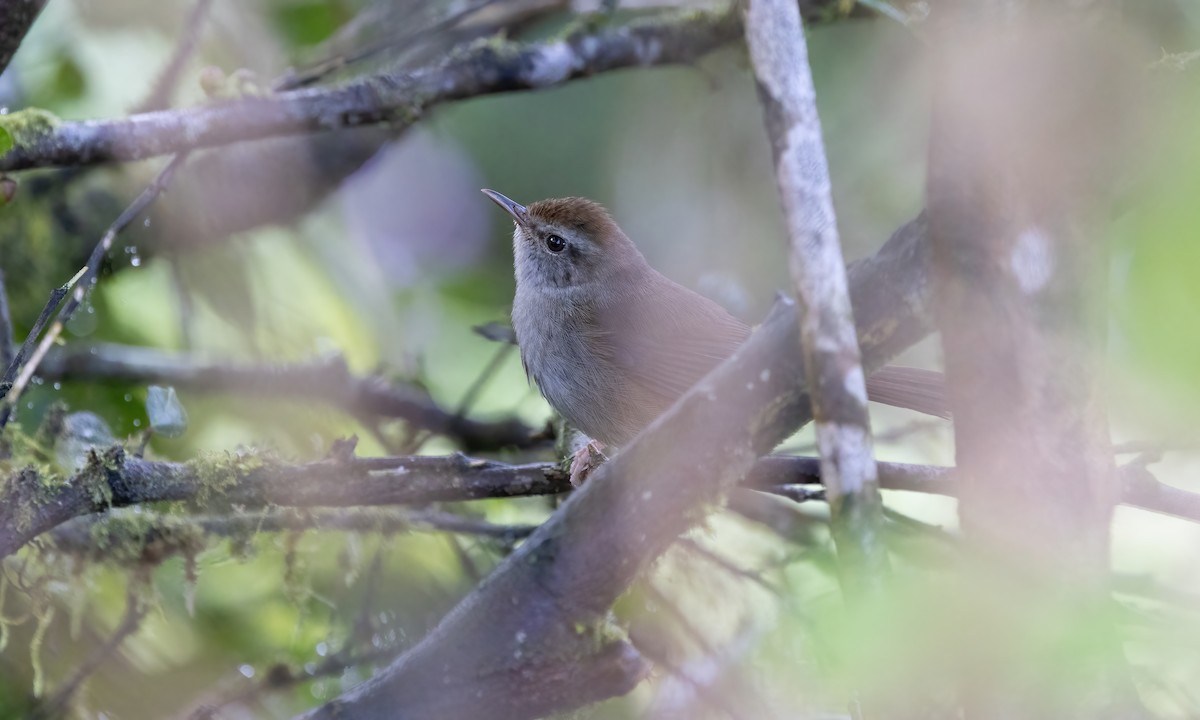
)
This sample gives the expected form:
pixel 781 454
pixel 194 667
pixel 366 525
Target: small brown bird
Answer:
pixel 611 342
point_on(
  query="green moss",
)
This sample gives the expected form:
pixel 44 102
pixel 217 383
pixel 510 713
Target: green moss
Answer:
pixel 595 635
pixel 137 538
pixel 218 471
pixel 29 125
pixel 94 475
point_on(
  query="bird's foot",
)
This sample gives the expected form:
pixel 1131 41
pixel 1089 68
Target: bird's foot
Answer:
pixel 587 458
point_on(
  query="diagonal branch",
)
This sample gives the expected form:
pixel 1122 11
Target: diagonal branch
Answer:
pixel 167 82
pixel 16 18
pixel 84 281
pixel 533 638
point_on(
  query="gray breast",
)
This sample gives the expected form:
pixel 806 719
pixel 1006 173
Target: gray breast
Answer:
pixel 579 383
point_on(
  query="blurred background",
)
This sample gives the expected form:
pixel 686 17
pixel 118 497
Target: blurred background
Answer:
pixel 378 245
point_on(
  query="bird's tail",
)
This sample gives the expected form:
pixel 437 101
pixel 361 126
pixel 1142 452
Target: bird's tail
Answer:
pixel 911 388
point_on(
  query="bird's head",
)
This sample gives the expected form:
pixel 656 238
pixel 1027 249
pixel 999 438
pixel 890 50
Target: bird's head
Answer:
pixel 567 242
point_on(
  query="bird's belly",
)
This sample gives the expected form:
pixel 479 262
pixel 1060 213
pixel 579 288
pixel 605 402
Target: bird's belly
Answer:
pixel 584 392
pixel 579 386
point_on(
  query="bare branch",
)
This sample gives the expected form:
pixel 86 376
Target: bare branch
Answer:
pixel 327 380
pixel 779 53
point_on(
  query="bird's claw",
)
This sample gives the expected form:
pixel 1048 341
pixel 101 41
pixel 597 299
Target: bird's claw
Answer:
pixel 586 459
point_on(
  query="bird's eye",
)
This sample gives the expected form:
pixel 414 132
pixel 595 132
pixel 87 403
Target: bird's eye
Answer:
pixel 555 244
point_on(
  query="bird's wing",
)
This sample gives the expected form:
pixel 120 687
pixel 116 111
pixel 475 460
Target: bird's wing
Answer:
pixel 663 342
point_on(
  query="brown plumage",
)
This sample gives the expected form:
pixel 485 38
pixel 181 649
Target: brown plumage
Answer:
pixel 610 341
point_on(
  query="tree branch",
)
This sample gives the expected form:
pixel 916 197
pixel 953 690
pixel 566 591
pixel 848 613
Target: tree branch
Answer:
pixel 16 18
pixel 533 638
pixel 252 483
pixel 483 68
pixel 828 342
pixel 31 504
pixel 125 536
pixel 327 380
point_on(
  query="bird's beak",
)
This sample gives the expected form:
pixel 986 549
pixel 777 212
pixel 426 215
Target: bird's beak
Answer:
pixel 516 209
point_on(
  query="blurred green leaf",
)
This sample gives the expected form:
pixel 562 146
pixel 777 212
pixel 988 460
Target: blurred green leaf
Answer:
pixel 6 141
pixel 69 82
pixel 308 23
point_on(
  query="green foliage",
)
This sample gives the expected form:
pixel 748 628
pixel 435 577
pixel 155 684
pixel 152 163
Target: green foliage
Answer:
pixel 307 22
pixel 1156 293
pixel 69 81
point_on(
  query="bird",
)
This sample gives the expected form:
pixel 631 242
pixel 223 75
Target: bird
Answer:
pixel 611 342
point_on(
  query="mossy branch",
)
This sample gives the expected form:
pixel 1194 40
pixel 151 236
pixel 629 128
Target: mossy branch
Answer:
pixel 482 68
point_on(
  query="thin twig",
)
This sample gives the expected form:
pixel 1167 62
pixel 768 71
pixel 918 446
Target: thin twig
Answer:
pixel 7 345
pixel 685 624
pixel 168 80
pixel 14 365
pixel 327 380
pixel 486 375
pixel 281 677
pixel 164 535
pixel 316 71
pixel 88 278
pixel 728 566
pixel 56 706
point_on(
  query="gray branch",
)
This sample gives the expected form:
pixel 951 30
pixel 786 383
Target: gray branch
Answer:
pixel 283 497
pixel 533 639
pixel 139 537
pixel 828 342
pixel 31 503
pixel 326 380
pixel 483 68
